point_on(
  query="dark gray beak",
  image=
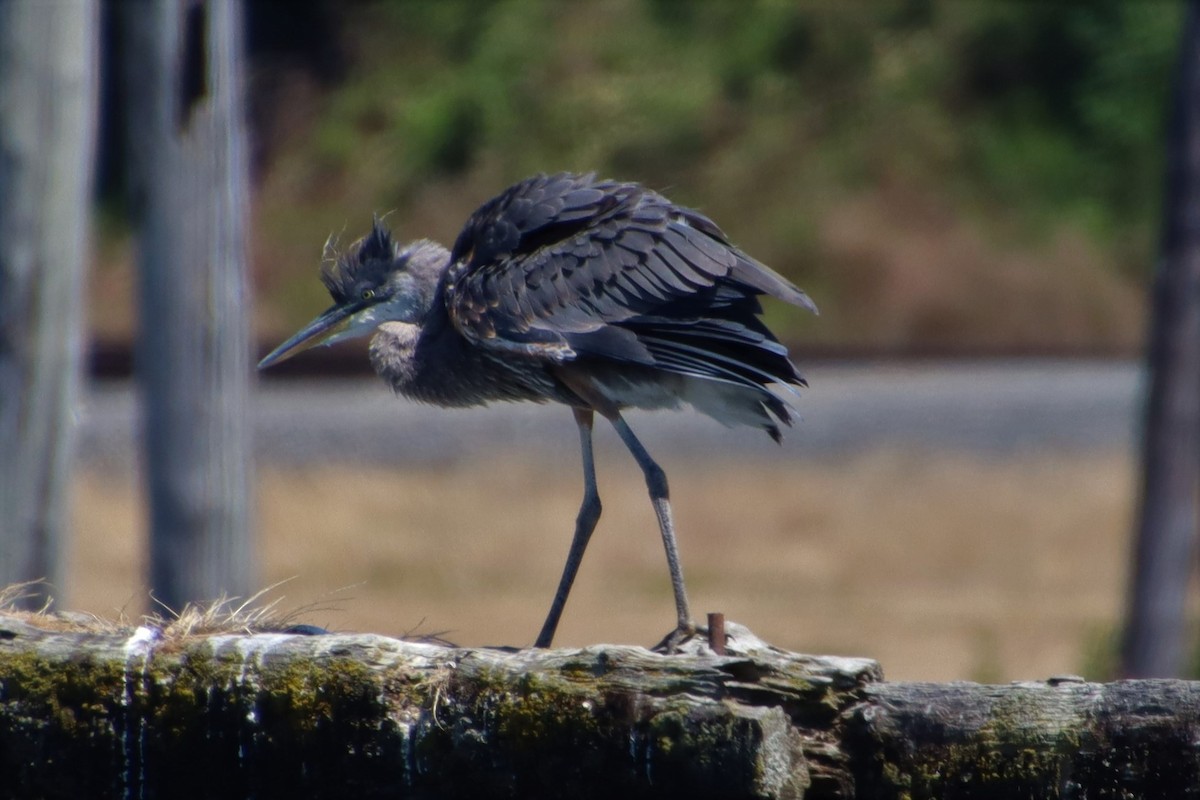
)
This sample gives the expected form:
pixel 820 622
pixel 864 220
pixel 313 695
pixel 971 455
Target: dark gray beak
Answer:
pixel 325 329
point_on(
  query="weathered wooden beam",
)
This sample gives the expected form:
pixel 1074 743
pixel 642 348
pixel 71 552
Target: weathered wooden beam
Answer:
pixel 1063 738
pixel 135 713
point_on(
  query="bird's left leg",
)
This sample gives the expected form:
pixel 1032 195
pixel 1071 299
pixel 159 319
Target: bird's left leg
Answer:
pixel 656 482
pixel 585 523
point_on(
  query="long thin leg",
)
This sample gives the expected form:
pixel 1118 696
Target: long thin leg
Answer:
pixel 585 523
pixel 656 482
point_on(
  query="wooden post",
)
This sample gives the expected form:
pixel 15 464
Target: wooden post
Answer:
pixel 188 147
pixel 48 97
pixel 1168 518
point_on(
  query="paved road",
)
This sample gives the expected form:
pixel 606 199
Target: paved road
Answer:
pixel 980 407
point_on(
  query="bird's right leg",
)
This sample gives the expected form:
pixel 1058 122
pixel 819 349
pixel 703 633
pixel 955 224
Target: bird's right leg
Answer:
pixel 656 483
pixel 585 523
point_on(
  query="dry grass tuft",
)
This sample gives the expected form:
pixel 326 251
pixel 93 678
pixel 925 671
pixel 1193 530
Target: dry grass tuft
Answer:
pixel 12 595
pixel 46 619
pixel 226 615
pixel 223 615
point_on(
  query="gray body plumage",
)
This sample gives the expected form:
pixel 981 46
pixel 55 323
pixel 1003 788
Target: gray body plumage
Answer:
pixel 598 295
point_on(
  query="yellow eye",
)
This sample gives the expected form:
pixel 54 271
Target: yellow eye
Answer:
pixel 367 294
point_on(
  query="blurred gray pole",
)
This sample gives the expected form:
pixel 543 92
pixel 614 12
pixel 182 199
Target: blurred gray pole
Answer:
pixel 1170 492
pixel 187 134
pixel 48 91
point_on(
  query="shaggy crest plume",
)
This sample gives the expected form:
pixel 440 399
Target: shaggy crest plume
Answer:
pixel 366 262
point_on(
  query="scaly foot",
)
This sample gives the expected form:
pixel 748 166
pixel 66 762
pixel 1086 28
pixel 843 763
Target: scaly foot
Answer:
pixel 683 634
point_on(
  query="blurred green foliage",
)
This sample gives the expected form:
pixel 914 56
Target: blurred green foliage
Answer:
pixel 1025 118
pixel 1068 105
pixel 1057 107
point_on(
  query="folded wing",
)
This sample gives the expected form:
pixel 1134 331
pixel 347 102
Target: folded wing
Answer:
pixel 565 267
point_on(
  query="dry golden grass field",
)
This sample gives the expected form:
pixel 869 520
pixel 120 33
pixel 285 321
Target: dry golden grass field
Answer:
pixel 942 566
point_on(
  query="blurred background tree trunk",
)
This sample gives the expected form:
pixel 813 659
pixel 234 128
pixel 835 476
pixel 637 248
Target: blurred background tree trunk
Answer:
pixel 1155 635
pixel 48 104
pixel 188 161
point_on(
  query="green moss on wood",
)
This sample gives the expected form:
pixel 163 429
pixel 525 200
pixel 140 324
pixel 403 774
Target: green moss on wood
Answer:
pixel 1017 749
pixel 72 709
pixel 307 724
pixel 68 693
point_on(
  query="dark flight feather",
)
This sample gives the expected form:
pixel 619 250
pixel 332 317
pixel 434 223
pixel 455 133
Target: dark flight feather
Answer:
pixel 573 268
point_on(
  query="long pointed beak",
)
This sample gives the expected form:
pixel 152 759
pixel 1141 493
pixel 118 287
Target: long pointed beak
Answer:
pixel 322 330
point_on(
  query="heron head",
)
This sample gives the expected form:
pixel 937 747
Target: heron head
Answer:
pixel 373 281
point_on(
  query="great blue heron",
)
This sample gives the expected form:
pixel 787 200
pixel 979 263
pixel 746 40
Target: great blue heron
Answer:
pixel 595 294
